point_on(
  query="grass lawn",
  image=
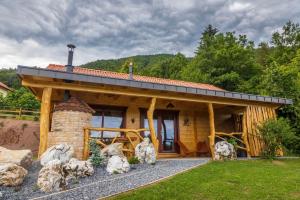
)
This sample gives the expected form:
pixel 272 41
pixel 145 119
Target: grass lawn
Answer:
pixel 255 179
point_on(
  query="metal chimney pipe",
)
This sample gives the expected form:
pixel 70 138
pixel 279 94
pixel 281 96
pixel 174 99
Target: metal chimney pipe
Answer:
pixel 69 66
pixel 130 71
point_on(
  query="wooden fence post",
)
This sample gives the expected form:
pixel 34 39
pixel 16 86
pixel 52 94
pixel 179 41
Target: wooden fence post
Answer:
pixel 86 149
pixel 20 113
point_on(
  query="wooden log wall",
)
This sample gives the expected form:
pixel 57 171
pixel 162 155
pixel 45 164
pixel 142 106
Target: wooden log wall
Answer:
pixel 253 117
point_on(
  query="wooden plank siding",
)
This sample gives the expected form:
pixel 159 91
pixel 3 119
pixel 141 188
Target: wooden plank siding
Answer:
pixel 255 116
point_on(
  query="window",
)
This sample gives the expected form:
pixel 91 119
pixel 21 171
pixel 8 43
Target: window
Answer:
pixel 166 128
pixel 108 117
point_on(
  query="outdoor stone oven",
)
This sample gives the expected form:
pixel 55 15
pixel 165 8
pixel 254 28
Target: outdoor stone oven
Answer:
pixel 68 120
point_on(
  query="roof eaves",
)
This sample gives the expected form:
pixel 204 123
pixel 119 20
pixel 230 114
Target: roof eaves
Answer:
pixel 34 71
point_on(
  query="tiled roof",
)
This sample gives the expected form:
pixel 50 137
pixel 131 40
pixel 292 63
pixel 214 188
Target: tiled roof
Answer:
pixel 109 74
pixel 74 104
pixel 2 85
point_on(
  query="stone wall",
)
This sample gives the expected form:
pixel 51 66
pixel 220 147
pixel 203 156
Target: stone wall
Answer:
pixel 67 127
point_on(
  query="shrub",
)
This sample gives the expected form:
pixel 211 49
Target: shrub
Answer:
pixel 133 160
pixel 277 134
pixel 96 157
pixel 233 142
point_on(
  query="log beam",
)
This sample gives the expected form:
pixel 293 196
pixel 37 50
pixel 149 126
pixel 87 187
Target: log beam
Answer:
pixel 45 120
pixel 151 124
pixel 127 92
pixel 245 134
pixel 212 133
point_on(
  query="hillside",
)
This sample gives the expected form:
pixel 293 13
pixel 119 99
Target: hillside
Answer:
pixel 143 63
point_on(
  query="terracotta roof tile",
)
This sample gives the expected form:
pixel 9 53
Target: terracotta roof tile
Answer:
pixel 109 74
pixel 74 104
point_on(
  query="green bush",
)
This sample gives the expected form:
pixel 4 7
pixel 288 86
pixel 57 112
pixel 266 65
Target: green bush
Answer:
pixel 96 157
pixel 233 142
pixel 133 160
pixel 277 134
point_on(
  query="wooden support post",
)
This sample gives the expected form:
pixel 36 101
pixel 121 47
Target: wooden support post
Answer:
pixel 245 134
pixel 86 149
pixel 212 129
pixel 151 124
pixel 45 120
pixel 20 113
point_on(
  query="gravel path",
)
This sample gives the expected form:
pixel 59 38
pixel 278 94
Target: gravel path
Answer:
pixel 101 184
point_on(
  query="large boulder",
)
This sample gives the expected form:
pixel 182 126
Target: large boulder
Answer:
pixel 51 177
pixel 117 165
pixel 145 152
pixel 62 152
pixel 18 157
pixel 224 150
pixel 77 168
pixel 12 174
pixel 114 149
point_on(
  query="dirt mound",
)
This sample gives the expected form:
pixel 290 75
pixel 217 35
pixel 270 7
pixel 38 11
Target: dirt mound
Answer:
pixel 19 134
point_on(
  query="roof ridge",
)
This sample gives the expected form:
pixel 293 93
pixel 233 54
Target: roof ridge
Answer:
pixel 140 77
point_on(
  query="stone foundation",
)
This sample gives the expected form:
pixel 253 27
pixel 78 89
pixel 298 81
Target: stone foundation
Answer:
pixel 67 127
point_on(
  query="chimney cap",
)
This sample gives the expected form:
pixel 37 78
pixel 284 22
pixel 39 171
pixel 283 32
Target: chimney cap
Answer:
pixel 71 46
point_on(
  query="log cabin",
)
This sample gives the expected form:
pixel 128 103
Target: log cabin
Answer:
pixel 181 118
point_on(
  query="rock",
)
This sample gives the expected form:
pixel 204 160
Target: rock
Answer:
pixel 118 165
pixel 18 157
pixel 145 152
pixel 51 177
pixel 114 149
pixel 61 152
pixel 77 168
pixel 224 150
pixel 12 174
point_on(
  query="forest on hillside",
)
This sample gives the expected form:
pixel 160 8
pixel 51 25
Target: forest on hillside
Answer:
pixel 224 59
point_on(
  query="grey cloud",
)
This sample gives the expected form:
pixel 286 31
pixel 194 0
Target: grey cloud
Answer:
pixel 36 32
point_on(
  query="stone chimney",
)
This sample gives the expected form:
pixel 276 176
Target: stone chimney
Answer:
pixel 68 120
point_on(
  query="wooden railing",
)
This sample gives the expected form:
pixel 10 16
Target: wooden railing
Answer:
pixel 124 137
pixel 19 113
pixel 233 135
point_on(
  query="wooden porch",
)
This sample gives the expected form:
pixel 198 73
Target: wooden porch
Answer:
pixel 200 119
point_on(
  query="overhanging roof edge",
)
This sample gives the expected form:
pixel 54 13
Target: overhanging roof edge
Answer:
pixel 34 71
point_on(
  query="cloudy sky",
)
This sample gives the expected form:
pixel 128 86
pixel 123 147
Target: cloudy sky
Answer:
pixel 35 32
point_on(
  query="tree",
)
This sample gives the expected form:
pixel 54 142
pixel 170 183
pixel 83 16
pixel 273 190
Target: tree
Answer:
pixel 263 54
pixel 223 59
pixel 172 67
pixel 22 98
pixel 286 43
pixel 206 36
pixel 284 81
